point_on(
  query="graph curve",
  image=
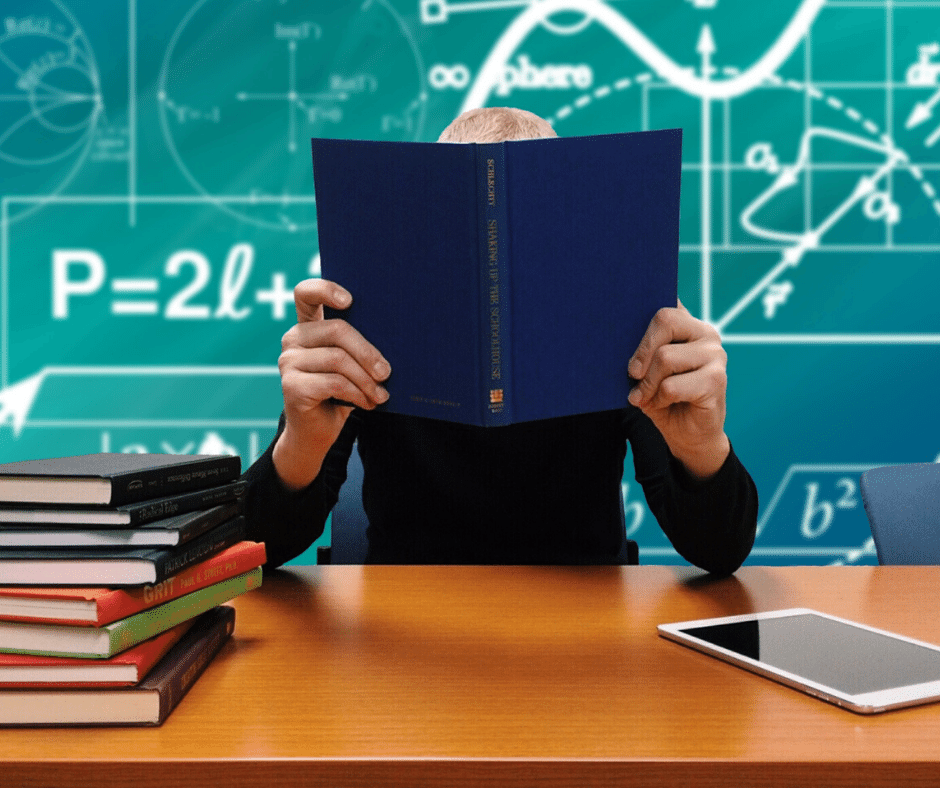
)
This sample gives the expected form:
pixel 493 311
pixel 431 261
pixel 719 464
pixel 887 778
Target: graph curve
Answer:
pixel 680 76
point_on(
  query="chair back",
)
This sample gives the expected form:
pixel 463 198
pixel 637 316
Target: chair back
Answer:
pixel 348 542
pixel 903 507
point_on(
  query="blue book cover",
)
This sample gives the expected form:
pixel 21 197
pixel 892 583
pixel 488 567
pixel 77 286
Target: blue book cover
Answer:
pixel 504 282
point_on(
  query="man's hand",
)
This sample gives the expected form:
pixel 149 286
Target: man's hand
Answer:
pixel 680 367
pixel 322 361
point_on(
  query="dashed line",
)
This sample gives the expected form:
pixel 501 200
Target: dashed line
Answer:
pixel 601 92
pixel 835 103
pixel 872 128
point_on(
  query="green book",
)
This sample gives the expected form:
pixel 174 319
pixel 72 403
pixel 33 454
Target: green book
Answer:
pixel 58 640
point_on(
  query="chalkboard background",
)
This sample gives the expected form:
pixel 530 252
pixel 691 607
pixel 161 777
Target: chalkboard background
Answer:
pixel 157 209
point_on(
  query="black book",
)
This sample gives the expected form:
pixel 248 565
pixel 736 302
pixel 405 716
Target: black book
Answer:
pixel 148 703
pixel 132 514
pixel 159 533
pixel 114 567
pixel 112 479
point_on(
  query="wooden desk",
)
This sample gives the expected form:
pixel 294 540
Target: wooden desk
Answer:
pixel 508 676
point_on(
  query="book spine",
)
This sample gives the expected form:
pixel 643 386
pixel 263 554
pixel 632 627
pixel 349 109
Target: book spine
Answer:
pixel 142 485
pixel 235 560
pixel 187 664
pixel 135 629
pixel 182 504
pixel 202 522
pixel 494 262
pixel 199 549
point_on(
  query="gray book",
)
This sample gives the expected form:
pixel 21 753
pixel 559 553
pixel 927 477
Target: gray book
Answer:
pixel 112 479
pixel 168 532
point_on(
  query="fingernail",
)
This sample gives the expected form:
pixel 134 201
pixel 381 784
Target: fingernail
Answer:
pixel 381 394
pixel 381 370
pixel 343 298
pixel 635 368
pixel 634 397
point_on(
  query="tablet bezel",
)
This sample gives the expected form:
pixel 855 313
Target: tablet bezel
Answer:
pixel 862 703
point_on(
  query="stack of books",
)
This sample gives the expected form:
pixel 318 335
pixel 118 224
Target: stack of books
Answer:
pixel 114 571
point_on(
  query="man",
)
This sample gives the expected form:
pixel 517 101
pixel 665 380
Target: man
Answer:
pixel 538 492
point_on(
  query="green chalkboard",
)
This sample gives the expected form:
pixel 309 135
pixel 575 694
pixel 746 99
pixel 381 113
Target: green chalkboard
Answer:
pixel 157 209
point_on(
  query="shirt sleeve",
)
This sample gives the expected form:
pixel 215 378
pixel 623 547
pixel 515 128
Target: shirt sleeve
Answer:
pixel 289 521
pixel 712 522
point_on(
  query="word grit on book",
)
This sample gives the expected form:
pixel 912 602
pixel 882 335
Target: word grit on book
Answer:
pixel 504 282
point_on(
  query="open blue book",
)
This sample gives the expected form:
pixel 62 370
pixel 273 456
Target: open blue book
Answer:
pixel 504 282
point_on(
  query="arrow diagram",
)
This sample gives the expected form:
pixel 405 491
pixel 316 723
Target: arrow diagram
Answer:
pixel 809 239
pixel 923 111
pixel 16 401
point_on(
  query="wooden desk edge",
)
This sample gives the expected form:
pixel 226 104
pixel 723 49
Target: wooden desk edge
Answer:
pixel 418 772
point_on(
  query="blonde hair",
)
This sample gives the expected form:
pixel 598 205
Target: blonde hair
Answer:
pixel 496 124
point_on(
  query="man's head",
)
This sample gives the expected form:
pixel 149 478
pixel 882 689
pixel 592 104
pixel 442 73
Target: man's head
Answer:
pixel 496 124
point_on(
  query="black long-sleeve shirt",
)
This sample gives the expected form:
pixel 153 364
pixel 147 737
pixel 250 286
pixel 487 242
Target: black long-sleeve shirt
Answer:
pixel 544 492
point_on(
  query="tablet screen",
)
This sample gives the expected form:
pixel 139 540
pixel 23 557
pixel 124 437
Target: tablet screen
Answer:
pixel 846 658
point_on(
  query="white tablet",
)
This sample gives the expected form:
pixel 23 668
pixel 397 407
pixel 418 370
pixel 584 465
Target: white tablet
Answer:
pixel 854 666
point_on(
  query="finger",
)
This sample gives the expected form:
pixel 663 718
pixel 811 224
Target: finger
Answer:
pixel 675 359
pixel 704 386
pixel 328 361
pixel 311 295
pixel 305 392
pixel 338 334
pixel 669 325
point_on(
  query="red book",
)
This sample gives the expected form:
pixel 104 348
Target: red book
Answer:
pixel 146 703
pixel 95 607
pixel 122 670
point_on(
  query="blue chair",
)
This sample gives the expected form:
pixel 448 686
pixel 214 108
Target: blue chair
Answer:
pixel 903 507
pixel 348 541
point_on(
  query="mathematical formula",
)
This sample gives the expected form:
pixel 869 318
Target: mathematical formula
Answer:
pixel 187 274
